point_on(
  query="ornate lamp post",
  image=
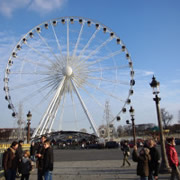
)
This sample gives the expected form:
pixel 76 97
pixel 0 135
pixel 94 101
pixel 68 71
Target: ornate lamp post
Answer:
pixel 29 116
pixel 164 168
pixel 131 111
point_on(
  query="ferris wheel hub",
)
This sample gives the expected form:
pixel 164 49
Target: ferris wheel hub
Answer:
pixel 67 71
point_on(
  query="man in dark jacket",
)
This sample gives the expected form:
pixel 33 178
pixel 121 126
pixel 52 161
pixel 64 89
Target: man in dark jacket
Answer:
pixel 40 156
pixel 10 161
pixel 155 160
pixel 48 160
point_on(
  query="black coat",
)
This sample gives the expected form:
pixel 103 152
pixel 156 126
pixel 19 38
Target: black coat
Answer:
pixel 25 166
pixel 155 161
pixel 39 162
pixel 48 160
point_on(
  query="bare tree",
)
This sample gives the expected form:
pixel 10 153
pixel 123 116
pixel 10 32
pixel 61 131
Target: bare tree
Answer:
pixel 179 116
pixel 166 118
pixel 120 131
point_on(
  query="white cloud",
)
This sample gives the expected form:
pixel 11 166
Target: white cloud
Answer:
pixel 140 73
pixel 7 7
pixel 45 6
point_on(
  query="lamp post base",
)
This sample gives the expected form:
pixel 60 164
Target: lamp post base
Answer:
pixel 164 168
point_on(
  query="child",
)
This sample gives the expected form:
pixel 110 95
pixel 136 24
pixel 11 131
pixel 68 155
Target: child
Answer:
pixel 25 166
pixel 142 159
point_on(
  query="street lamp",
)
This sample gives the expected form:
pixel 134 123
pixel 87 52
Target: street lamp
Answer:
pixel 164 168
pixel 131 111
pixel 29 116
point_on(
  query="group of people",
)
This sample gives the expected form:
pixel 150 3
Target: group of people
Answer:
pixel 148 159
pixel 18 162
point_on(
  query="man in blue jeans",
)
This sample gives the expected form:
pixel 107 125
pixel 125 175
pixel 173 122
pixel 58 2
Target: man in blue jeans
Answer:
pixel 48 161
pixel 40 156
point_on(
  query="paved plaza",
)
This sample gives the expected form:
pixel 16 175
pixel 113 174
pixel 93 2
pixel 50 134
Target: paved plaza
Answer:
pixel 92 170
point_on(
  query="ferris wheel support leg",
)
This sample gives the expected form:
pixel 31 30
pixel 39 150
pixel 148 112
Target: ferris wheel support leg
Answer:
pixel 85 110
pixel 54 113
pixel 53 106
pixel 48 112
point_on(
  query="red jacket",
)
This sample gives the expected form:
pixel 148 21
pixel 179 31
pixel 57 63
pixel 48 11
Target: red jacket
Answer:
pixel 172 155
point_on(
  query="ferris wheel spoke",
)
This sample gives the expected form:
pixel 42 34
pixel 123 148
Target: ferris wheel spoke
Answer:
pixel 106 57
pixel 88 43
pixel 104 92
pixel 47 45
pixel 39 91
pixel 97 49
pixel 33 62
pixel 32 73
pixel 78 40
pixel 57 40
pixel 85 109
pixel 107 80
pixel 42 100
pixel 107 68
pixel 27 84
pixel 41 54
pixel 33 94
pixel 67 41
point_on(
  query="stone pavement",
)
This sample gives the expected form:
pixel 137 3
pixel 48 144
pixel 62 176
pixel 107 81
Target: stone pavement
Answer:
pixel 94 170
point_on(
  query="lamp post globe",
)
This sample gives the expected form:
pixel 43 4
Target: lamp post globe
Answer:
pixel 164 167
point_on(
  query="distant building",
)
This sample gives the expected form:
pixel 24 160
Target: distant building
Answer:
pixel 9 134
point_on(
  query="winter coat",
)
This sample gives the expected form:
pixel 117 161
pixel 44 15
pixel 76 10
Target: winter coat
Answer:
pixel 10 160
pixel 172 155
pixel 39 162
pixel 155 160
pixel 48 160
pixel 143 163
pixel 19 152
pixel 125 149
pixel 33 150
pixel 25 166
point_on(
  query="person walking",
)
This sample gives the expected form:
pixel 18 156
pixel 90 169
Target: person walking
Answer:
pixel 172 158
pixel 40 156
pixel 154 163
pixel 25 166
pixel 10 162
pixel 126 153
pixel 142 160
pixel 48 161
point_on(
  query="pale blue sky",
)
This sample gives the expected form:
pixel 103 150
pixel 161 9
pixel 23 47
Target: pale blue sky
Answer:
pixel 150 30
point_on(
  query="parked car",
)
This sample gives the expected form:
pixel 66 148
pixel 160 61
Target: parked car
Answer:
pixel 111 144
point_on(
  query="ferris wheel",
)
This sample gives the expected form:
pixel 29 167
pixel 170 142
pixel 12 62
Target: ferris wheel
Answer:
pixel 64 70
